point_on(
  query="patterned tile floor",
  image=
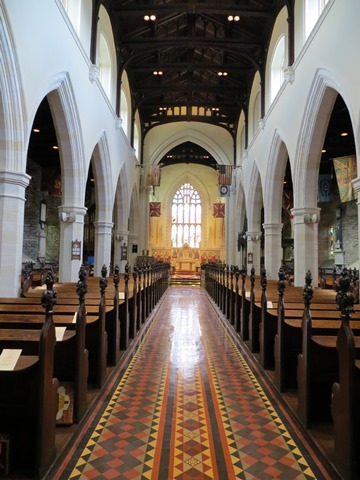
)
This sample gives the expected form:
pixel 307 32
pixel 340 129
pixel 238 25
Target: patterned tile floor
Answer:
pixel 190 407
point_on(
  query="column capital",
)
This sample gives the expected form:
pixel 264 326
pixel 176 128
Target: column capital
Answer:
pixel 272 228
pixel 305 215
pixel 103 227
pixel 253 236
pixel 122 235
pixel 13 184
pixel 71 214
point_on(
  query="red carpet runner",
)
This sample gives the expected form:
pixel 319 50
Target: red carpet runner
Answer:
pixel 189 407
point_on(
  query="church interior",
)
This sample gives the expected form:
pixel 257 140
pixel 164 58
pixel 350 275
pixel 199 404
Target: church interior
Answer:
pixel 179 255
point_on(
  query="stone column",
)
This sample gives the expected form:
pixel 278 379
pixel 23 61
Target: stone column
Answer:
pixel 102 254
pixel 253 251
pixel 71 230
pixel 120 248
pixel 230 250
pixel 12 203
pixel 273 250
pixel 144 209
pixel 356 185
pixel 305 221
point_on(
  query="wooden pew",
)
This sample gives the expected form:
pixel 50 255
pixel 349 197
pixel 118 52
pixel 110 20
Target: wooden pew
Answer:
pixel 345 402
pixel 318 366
pixel 272 319
pixel 28 405
pixel 288 339
pixel 28 316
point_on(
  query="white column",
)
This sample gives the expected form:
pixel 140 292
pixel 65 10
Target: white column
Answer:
pixel 12 202
pixel 273 250
pixel 253 252
pixel 356 185
pixel 144 211
pixel 121 243
pixel 71 229
pixel 305 223
pixel 102 254
pixel 230 251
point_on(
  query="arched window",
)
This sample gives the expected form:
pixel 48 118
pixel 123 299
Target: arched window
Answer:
pixel 331 241
pixel 72 8
pixel 136 140
pixel 104 65
pixel 186 217
pixel 256 113
pixel 277 68
pixel 124 112
pixel 313 9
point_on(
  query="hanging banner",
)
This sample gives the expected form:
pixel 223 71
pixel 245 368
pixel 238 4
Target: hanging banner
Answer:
pixel 345 169
pixel 219 210
pixel 153 176
pixel 225 174
pixel 324 188
pixel 155 209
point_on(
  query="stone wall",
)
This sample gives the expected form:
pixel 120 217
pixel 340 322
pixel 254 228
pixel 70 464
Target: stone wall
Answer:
pixel 349 222
pixel 32 228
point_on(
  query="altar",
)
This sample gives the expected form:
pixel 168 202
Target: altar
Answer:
pixel 185 259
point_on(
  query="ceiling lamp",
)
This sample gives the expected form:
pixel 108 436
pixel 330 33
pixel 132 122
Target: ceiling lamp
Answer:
pixel 149 18
pixel 233 18
pixel 344 134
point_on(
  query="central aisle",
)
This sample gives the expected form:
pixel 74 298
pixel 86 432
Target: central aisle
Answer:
pixel 189 407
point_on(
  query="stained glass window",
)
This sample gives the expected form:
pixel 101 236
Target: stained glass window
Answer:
pixel 186 217
pixel 331 241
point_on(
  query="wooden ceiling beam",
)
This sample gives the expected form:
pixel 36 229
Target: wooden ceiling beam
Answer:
pixel 182 8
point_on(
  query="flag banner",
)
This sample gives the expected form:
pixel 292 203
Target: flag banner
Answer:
pixel 155 209
pixel 224 190
pixel 345 169
pixel 219 210
pixel 288 200
pixel 153 176
pixel 324 188
pixel 225 174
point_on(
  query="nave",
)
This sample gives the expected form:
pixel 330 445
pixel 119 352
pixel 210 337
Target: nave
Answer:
pixel 191 404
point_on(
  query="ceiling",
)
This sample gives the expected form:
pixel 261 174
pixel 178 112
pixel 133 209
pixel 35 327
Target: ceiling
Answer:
pixel 191 42
pixel 207 62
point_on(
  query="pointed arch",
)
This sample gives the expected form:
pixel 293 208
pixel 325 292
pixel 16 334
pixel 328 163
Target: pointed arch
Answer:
pixel 134 212
pixel 190 135
pixel 12 114
pixel 311 138
pixel 122 201
pixel 101 164
pixel 273 189
pixel 254 198
pixel 240 207
pixel 69 135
